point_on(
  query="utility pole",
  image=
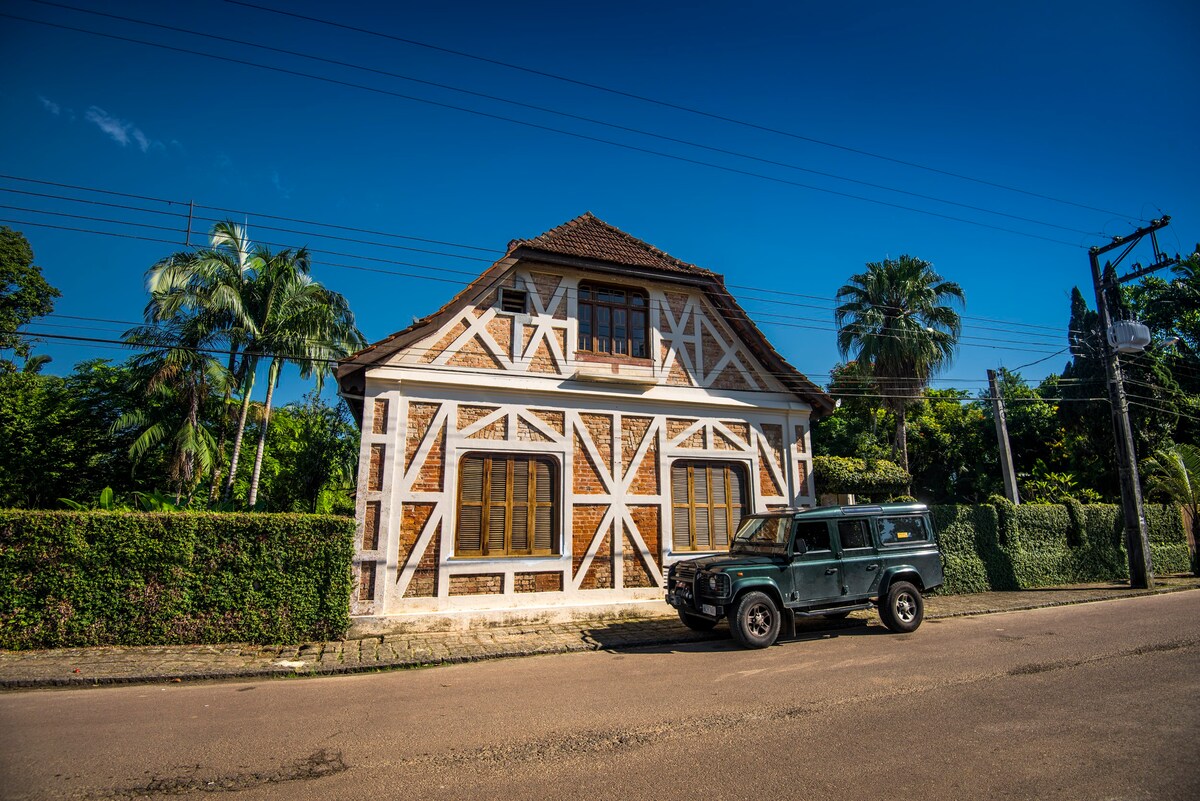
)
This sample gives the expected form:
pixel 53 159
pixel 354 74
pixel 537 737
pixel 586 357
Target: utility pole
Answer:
pixel 1137 544
pixel 1006 462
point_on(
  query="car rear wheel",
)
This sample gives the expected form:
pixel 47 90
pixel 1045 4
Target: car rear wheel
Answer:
pixel 696 623
pixel 903 609
pixel 755 620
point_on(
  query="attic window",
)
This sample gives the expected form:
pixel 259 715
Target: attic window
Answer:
pixel 612 320
pixel 513 300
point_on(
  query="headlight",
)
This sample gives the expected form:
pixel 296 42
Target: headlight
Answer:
pixel 713 583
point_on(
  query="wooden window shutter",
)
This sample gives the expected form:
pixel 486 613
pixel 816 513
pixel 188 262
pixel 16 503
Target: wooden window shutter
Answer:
pixel 707 501
pixel 469 532
pixel 681 527
pixel 519 542
pixel 543 517
pixel 505 506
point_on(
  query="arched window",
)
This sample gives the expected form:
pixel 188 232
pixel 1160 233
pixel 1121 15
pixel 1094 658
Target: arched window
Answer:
pixel 612 321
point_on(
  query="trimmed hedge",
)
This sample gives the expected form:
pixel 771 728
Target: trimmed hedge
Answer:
pixel 120 578
pixel 849 475
pixel 1007 547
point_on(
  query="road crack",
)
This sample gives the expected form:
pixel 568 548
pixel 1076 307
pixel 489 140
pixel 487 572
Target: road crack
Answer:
pixel 316 765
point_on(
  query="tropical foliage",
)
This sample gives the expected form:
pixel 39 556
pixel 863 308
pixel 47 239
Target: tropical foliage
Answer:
pixel 896 322
pixel 166 428
pixel 24 295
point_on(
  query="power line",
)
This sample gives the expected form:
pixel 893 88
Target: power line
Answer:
pixel 548 128
pixel 237 212
pixel 675 106
pixel 434 278
pixel 773 294
pixel 557 112
pixel 458 370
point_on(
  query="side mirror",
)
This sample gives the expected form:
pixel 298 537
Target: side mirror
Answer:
pixel 801 547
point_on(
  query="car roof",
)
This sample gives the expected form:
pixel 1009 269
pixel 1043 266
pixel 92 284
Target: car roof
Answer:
pixel 855 510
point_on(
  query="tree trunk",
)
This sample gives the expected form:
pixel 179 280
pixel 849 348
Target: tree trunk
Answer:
pixel 272 377
pixel 215 487
pixel 902 435
pixel 237 438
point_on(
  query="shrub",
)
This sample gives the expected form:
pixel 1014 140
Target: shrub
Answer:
pixel 842 475
pixel 120 578
pixel 1009 547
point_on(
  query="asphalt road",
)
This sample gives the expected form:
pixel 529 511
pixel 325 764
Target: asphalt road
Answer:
pixel 1097 701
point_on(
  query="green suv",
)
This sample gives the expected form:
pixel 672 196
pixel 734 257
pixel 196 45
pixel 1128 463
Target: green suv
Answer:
pixel 823 562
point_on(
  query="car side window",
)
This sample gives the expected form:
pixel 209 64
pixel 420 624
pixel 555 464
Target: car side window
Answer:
pixel 901 530
pixel 854 534
pixel 814 534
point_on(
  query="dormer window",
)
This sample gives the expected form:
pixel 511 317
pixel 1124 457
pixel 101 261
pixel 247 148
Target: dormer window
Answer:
pixel 612 321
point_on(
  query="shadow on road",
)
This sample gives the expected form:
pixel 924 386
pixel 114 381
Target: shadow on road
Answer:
pixel 624 638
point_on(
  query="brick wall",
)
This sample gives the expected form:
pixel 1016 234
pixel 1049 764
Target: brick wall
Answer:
pixel 600 428
pixel 634 570
pixel 477 584
pixel 538 582
pixel 424 583
pixel 379 417
pixel 586 480
pixel 375 468
pixel 370 534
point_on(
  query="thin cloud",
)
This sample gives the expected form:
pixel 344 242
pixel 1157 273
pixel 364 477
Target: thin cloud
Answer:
pixel 278 184
pixel 120 131
pixel 50 105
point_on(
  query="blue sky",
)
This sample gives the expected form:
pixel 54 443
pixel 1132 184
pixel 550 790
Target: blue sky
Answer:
pixel 1085 102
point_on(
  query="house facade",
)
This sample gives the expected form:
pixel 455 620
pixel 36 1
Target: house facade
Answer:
pixel 586 412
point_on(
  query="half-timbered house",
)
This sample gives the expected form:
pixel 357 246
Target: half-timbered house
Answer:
pixel 586 412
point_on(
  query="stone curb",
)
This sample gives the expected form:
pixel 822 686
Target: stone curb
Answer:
pixel 584 643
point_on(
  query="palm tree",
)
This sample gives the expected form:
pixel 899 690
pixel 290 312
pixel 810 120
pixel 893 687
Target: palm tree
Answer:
pixel 296 320
pixel 1174 473
pixel 892 319
pixel 212 282
pixel 177 377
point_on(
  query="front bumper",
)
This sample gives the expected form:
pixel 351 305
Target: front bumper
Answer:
pixel 687 596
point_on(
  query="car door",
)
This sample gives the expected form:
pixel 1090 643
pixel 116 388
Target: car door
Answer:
pixel 860 561
pixel 815 573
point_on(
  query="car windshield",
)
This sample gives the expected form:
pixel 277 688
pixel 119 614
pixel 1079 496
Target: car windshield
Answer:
pixel 763 533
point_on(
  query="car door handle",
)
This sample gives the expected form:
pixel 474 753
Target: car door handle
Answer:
pixel 872 567
pixel 830 571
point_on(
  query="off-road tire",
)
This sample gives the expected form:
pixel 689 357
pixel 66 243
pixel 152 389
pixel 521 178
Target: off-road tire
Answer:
pixel 903 609
pixel 755 620
pixel 696 623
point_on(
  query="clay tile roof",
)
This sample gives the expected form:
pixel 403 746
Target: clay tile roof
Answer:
pixel 589 237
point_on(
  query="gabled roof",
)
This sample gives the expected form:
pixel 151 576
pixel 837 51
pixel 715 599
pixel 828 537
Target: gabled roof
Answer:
pixel 589 237
pixel 589 242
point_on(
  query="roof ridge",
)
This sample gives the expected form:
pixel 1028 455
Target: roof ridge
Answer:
pixel 551 241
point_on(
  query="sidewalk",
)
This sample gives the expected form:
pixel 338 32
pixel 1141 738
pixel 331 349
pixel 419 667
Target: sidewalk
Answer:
pixel 129 664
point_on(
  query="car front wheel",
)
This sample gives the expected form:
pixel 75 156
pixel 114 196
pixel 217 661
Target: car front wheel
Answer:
pixel 755 620
pixel 903 609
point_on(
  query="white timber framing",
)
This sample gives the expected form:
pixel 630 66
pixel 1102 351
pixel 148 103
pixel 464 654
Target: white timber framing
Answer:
pixel 722 424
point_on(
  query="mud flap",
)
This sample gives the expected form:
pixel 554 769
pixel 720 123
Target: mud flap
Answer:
pixel 789 623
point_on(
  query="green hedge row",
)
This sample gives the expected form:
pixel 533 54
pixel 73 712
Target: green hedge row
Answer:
pixel 116 578
pixel 1032 545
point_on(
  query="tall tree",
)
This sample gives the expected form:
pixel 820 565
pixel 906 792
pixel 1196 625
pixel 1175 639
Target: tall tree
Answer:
pixel 24 293
pixel 297 320
pixel 213 282
pixel 895 321
pixel 174 367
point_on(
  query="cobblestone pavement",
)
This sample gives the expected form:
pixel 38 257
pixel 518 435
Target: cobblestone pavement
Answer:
pixel 126 664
